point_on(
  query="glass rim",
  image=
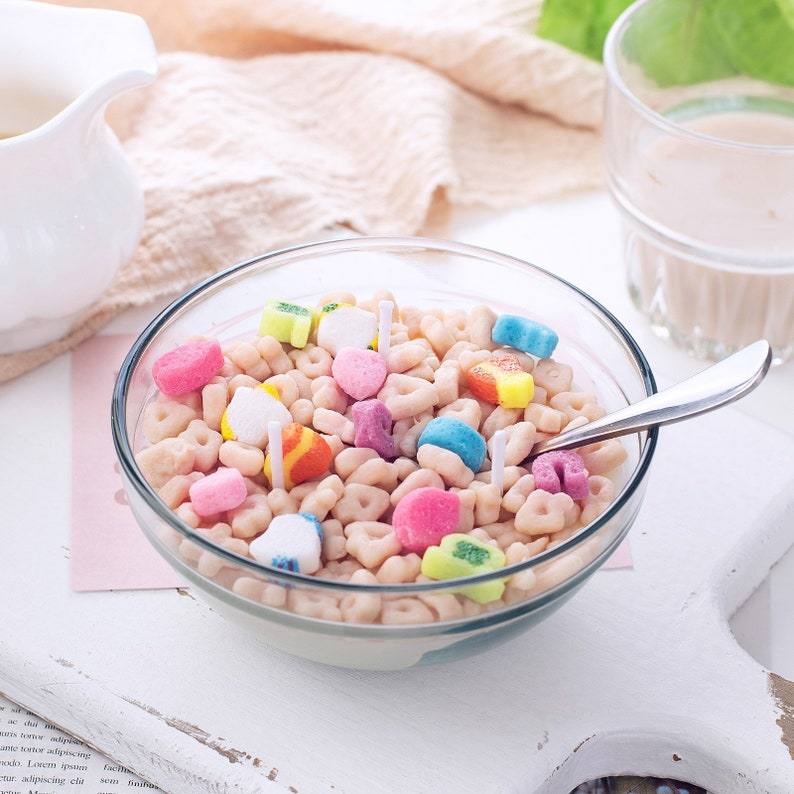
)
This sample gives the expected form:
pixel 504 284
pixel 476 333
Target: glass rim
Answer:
pixel 196 294
pixel 614 77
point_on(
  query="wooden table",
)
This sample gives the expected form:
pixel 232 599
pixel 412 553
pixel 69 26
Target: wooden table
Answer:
pixel 639 673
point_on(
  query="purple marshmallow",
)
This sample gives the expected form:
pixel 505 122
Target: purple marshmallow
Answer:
pixel 372 421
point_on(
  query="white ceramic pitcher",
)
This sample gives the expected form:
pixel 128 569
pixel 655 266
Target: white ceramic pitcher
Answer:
pixel 71 209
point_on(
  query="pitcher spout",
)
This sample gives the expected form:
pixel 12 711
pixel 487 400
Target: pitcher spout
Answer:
pixel 58 58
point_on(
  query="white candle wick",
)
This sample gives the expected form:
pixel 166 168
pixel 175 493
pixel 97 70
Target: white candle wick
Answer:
pixel 498 459
pixel 276 454
pixel 384 327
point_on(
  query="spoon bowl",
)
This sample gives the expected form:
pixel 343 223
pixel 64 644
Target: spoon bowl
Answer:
pixel 718 385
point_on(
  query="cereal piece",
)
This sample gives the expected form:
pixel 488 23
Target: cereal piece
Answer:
pixel 518 493
pixel 373 423
pixel 487 504
pixel 465 410
pixel 334 424
pixel 271 351
pixel 419 478
pixel 326 393
pixel 302 412
pixel 321 500
pixel 481 323
pixel 500 419
pixel 248 413
pixel 501 380
pixel 468 500
pixel 440 337
pixel 187 367
pixel 399 568
pixel 350 458
pixel 406 355
pixel 543 513
pixel 252 517
pixel 603 456
pixel 281 502
pixel 346 326
pixel 240 380
pixel 446 382
pixel 222 490
pixel 406 395
pixel 360 373
pixel 406 433
pixel 361 503
pixel 602 494
pixel 313 361
pixel 214 399
pixel 524 334
pixel 165 419
pixel 306 455
pixel 424 516
pixel 246 356
pixel 302 385
pixel 520 440
pixel 448 464
pixel 460 555
pixel 313 604
pixel 553 376
pixel 207 442
pixel 286 322
pixel 378 472
pixel 283 387
pixel 249 460
pixel 545 419
pixel 333 539
pixel 404 611
pixel 405 467
pixel 561 470
pixel 455 436
pixel 175 491
pixel 361 607
pixel 165 459
pixel 291 542
pixel 575 404
pixel 371 542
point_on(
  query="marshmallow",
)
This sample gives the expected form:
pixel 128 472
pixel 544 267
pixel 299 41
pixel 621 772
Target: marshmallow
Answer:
pixel 456 436
pixel 561 470
pixel 248 413
pixel 459 555
pixel 501 380
pixel 222 490
pixel 524 334
pixel 287 322
pixel 360 373
pixel 292 542
pixel 372 421
pixel 341 326
pixel 187 367
pixel 424 516
pixel 306 455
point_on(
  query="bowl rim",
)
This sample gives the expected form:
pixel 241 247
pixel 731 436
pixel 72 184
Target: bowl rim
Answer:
pixel 134 478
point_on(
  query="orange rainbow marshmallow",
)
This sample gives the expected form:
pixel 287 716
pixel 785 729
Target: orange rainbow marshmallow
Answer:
pixel 306 455
pixel 502 381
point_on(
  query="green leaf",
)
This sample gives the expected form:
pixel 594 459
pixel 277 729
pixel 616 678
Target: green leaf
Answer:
pixel 579 25
pixel 757 36
pixel 681 42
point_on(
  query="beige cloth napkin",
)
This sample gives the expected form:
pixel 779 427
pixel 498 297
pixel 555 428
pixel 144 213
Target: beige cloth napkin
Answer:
pixel 277 121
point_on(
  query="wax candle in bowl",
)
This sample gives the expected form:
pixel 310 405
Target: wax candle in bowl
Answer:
pixel 423 539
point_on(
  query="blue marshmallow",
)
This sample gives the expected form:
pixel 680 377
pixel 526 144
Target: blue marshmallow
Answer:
pixel 524 334
pixel 457 437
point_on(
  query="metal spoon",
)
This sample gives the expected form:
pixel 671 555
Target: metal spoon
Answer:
pixel 717 385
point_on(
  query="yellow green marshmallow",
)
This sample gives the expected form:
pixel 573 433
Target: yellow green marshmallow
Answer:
pixel 459 555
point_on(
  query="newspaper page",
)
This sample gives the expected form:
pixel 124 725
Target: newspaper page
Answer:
pixel 38 758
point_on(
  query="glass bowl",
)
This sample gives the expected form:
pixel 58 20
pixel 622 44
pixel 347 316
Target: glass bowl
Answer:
pixel 423 621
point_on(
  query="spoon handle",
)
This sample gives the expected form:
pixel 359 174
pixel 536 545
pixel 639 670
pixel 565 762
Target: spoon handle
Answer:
pixel 717 385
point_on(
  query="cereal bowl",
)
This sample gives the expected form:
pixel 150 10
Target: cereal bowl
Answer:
pixel 372 600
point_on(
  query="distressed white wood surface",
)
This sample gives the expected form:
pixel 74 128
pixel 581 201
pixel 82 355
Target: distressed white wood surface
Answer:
pixel 638 673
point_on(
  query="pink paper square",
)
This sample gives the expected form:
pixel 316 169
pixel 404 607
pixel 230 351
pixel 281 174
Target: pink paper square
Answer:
pixel 108 549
